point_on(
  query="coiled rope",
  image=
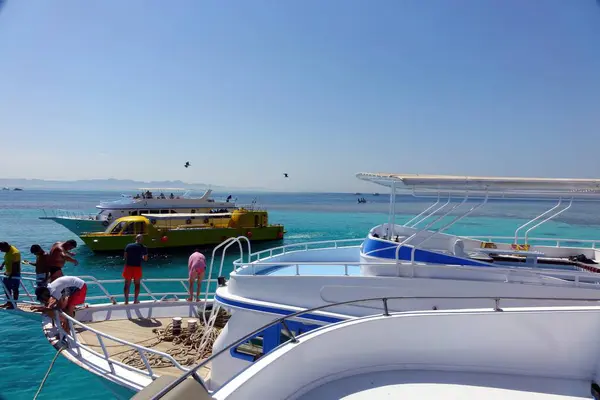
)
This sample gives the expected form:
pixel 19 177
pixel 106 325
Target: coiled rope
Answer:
pixel 189 347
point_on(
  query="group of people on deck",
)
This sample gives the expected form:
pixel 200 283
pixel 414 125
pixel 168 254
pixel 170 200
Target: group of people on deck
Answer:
pixel 148 195
pixel 53 289
pixel 57 291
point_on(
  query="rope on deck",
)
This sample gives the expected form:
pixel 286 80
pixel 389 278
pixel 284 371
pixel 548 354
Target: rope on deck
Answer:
pixel 189 348
pixel 48 372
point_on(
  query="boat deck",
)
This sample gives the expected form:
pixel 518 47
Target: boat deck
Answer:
pixel 310 269
pixel 449 385
pixel 136 331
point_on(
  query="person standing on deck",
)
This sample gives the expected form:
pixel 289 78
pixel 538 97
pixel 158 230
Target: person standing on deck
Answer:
pixel 12 273
pixel 196 269
pixel 60 253
pixel 41 265
pixel 135 253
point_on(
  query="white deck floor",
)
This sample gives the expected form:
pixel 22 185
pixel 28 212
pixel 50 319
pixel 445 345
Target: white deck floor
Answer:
pixel 449 385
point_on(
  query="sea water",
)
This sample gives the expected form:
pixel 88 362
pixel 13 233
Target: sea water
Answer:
pixel 25 355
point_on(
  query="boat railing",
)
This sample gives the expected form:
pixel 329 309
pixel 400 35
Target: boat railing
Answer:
pixel 28 284
pixel 304 246
pixel 495 302
pixel 576 278
pixel 559 242
pixel 70 214
pixel 78 346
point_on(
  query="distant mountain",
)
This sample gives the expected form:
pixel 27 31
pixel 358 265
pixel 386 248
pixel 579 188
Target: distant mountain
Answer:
pixel 110 184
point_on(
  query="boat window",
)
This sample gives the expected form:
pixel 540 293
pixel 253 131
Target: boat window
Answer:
pixel 118 228
pixel 164 211
pixel 256 220
pixel 251 350
pixel 142 212
pixel 154 211
pixel 139 228
pixel 134 213
pixel 129 229
pixel 173 212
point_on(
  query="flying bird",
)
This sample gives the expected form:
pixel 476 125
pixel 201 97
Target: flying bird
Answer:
pixel 285 175
pixel 187 164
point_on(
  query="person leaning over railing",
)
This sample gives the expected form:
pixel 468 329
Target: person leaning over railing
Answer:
pixel 64 293
pixel 12 274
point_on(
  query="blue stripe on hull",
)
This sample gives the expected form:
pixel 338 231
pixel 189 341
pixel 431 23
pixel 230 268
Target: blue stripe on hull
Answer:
pixel 273 310
pixel 382 249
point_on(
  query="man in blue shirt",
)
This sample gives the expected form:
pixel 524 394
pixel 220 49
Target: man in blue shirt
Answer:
pixel 135 253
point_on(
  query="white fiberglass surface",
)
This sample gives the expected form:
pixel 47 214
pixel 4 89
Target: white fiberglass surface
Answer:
pixel 313 269
pixel 451 385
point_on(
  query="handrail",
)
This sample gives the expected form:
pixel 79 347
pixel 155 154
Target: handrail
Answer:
pixel 72 337
pixel 556 214
pixel 422 212
pixel 432 213
pixel 283 249
pixel 535 219
pixel 146 292
pixel 442 229
pixel 384 300
pixel 225 245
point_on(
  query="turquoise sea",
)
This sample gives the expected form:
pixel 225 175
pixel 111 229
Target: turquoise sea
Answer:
pixel 25 354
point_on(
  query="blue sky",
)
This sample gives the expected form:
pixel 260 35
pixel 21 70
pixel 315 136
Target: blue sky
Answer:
pixel 246 90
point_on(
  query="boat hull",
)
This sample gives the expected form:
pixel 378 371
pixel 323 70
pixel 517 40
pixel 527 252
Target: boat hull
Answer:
pixel 79 226
pixel 182 238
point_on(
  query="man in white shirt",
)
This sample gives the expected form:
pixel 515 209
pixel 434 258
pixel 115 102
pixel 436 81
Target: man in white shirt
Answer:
pixel 64 293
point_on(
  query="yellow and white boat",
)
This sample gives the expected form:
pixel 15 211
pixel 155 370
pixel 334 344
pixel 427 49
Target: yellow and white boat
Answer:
pixel 163 231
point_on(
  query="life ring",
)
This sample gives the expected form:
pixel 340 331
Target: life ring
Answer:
pixel 188 221
pixel 249 234
pixel 206 220
pixel 153 221
pixel 105 223
pixel 280 235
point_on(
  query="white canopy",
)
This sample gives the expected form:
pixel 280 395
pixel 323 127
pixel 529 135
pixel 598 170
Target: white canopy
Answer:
pixel 538 187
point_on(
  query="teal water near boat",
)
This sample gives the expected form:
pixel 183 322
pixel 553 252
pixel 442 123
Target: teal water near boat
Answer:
pixel 26 355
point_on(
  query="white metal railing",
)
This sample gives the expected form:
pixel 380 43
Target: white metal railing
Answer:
pixel 79 347
pixel 68 214
pixel 28 298
pixel 28 284
pixel 288 248
pixel 577 277
pixel 558 241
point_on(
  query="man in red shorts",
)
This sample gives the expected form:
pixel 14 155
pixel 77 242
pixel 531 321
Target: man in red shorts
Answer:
pixel 135 253
pixel 64 293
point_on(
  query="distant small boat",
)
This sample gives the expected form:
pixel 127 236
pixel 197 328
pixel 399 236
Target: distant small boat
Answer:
pixel 5 188
pixel 357 194
pixel 18 189
pixel 375 194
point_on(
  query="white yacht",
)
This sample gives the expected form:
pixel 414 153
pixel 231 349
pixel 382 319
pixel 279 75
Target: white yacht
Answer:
pixel 406 270
pixel 149 201
pixel 521 353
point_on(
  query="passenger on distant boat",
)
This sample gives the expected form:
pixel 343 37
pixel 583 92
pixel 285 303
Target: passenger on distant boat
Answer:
pixel 135 253
pixel 65 293
pixel 196 269
pixel 12 273
pixel 60 252
pixel 41 265
pixel 171 196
